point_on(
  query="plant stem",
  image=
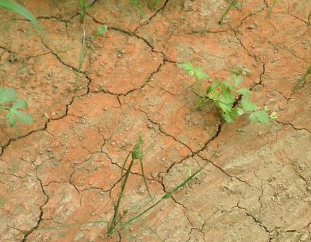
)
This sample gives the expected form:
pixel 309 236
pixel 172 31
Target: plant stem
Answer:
pixel 123 184
pixel 165 196
pixel 227 11
pixel 303 79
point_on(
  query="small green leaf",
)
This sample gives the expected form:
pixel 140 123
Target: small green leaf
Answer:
pixel 188 67
pixel 167 195
pixel 7 95
pixel 237 80
pixel 244 91
pixel 101 30
pixel 200 74
pixel 260 117
pixel 20 104
pixel 23 117
pixel 226 108
pixel 11 118
pixel 227 117
pixel 248 106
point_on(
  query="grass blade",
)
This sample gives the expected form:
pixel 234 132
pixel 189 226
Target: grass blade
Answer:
pixel 12 6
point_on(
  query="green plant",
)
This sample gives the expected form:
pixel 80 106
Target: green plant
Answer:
pixel 136 154
pixel 99 32
pixel 117 222
pixel 12 6
pixel 84 5
pixel 12 106
pixel 226 94
pixel 233 4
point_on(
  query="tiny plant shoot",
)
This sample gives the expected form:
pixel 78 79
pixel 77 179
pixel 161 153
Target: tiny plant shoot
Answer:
pixel 233 4
pixel 10 104
pixel 84 5
pixel 100 31
pixel 226 94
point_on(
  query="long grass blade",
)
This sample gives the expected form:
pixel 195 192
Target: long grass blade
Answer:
pixel 12 6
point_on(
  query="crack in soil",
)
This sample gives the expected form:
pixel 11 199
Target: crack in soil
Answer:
pixel 40 219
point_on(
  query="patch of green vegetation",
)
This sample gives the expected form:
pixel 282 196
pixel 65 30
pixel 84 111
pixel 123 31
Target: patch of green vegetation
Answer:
pixel 99 32
pixel 225 95
pixel 12 105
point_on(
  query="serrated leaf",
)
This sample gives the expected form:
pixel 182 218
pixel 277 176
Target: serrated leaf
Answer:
pixel 200 74
pixel 237 80
pixel 260 117
pixel 226 98
pixel 7 95
pixel 23 117
pixel 11 118
pixel 101 30
pixel 226 108
pixel 20 104
pixel 188 67
pixel 227 117
pixel 16 8
pixel 248 106
pixel 244 91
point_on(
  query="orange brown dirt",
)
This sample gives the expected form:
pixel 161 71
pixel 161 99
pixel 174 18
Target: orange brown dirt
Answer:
pixel 63 171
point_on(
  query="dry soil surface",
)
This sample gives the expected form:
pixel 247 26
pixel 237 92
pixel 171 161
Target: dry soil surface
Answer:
pixel 63 171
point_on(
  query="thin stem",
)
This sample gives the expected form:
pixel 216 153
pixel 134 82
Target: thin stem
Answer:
pixel 123 184
pixel 165 196
pixel 232 4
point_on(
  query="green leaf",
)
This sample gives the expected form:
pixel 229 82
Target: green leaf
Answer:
pixel 200 74
pixel 16 8
pixel 244 91
pixel 246 71
pixel 226 108
pixel 237 80
pixel 23 117
pixel 20 104
pixel 260 117
pixel 248 106
pixel 7 94
pixel 227 117
pixel 188 67
pixel 101 30
pixel 11 118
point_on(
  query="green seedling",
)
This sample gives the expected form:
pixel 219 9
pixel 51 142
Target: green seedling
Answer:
pixel 233 4
pixel 12 105
pixel 99 32
pixel 12 6
pixel 117 223
pixel 84 5
pixel 135 154
pixel 226 94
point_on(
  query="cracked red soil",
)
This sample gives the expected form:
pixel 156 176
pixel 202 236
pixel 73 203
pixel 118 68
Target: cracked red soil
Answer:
pixel 65 168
